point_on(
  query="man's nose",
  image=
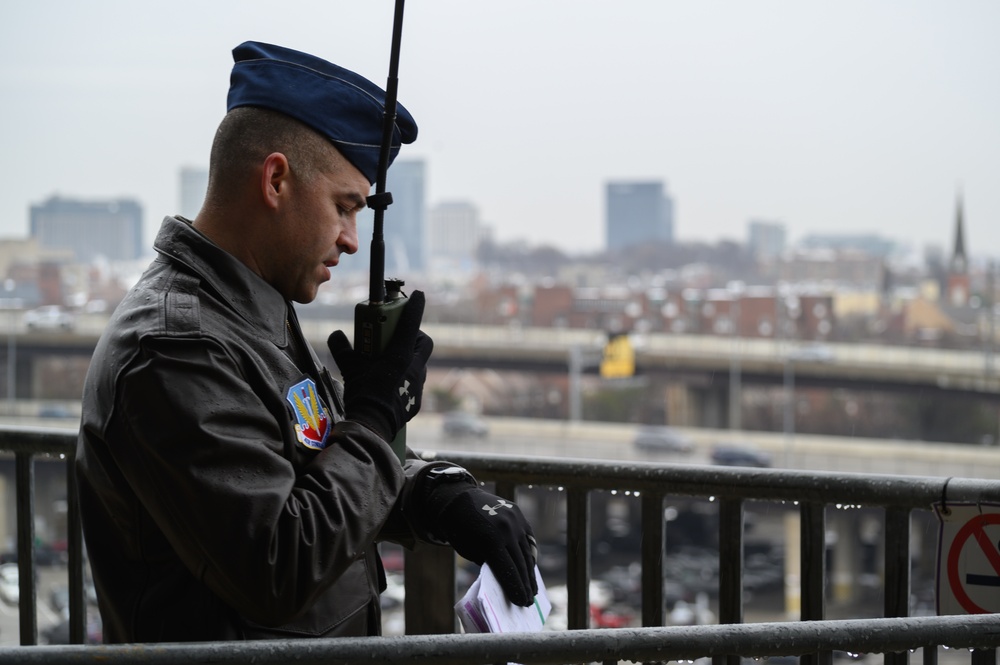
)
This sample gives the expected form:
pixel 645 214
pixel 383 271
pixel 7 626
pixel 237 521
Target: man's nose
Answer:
pixel 348 240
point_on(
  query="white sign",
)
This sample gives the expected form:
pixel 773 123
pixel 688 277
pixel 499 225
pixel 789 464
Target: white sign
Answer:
pixel 968 571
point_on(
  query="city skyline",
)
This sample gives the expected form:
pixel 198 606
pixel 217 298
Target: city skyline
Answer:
pixel 859 118
pixel 406 233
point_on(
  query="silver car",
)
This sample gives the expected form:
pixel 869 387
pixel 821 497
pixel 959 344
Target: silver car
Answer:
pixel 462 423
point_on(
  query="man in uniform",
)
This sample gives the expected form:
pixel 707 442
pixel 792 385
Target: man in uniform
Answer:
pixel 230 487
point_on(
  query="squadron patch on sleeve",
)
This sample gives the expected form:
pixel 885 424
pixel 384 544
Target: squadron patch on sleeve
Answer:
pixel 312 418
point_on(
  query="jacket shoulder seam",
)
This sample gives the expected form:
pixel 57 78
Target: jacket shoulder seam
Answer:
pixel 181 305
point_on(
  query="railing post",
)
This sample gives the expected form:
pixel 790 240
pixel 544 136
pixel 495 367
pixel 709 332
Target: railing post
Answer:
pixel 578 559
pixel 813 564
pixel 74 546
pixel 653 552
pixel 897 572
pixel 813 560
pixel 731 518
pixel 25 479
pixel 429 576
pixel 984 657
pixel 506 490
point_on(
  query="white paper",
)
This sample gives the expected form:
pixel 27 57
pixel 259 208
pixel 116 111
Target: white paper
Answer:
pixel 485 609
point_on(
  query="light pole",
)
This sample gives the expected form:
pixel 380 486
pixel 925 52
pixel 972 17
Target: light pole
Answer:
pixel 735 289
pixel 991 319
pixel 575 370
pixel 789 404
pixel 11 304
pixel 579 360
pixel 813 355
pixel 785 311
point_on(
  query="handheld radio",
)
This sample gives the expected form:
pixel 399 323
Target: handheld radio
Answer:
pixel 375 320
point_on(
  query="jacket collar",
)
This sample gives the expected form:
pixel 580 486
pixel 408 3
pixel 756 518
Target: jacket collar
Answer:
pixel 245 291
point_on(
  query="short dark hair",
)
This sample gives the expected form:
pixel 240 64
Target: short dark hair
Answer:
pixel 247 135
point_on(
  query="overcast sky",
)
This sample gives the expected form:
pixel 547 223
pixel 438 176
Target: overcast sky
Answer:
pixel 864 116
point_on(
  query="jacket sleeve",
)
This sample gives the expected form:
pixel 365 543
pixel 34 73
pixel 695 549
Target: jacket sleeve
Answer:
pixel 406 525
pixel 206 458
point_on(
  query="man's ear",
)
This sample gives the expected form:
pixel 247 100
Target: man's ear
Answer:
pixel 274 179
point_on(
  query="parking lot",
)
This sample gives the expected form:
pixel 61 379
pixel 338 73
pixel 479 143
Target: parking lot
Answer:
pixel 52 582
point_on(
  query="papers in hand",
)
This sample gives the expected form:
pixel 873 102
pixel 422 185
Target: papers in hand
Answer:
pixel 485 609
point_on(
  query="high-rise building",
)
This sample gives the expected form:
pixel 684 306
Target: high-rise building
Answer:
pixel 111 230
pixel 637 212
pixel 766 240
pixel 405 228
pixel 869 243
pixel 455 232
pixel 193 186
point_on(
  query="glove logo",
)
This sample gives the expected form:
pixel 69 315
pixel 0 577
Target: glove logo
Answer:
pixel 405 390
pixel 492 510
pixel 312 418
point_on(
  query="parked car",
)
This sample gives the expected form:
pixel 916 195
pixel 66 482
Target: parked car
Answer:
pixel 463 423
pixel 55 411
pixel 10 590
pixel 46 554
pixel 739 455
pixel 59 599
pixel 664 439
pixel 49 317
pixel 58 633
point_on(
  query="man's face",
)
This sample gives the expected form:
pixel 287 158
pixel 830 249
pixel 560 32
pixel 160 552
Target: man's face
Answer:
pixel 318 226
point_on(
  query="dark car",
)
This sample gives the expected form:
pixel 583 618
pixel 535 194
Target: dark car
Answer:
pixel 738 455
pixel 58 633
pixel 662 439
pixel 462 423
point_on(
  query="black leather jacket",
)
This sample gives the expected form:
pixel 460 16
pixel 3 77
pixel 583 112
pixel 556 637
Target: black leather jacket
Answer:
pixel 223 494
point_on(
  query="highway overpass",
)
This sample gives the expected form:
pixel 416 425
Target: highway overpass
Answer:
pixel 686 357
pixel 758 360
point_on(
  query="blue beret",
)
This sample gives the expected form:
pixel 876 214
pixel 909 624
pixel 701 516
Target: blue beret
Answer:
pixel 339 104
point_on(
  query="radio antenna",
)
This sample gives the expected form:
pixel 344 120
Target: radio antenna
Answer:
pixel 375 320
pixel 381 199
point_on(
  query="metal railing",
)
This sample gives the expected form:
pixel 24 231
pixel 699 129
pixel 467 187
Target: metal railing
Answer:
pixel 815 638
pixel 27 443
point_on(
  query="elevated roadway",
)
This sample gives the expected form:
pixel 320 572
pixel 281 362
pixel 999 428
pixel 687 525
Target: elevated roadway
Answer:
pixel 759 361
pixel 893 368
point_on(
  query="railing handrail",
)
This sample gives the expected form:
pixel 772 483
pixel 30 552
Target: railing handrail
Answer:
pixel 763 484
pixel 755 640
pixel 38 440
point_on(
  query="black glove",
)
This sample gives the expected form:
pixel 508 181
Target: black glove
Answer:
pixel 484 528
pixel 384 392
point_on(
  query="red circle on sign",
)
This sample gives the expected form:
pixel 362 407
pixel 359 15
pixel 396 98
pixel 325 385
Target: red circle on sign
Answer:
pixel 957 544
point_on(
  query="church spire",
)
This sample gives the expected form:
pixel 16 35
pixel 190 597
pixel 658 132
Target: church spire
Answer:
pixel 958 269
pixel 959 259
